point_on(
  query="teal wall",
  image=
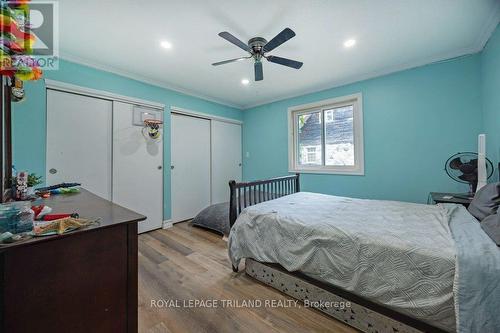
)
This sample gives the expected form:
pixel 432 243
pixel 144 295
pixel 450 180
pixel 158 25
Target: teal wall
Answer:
pixel 490 84
pixel 29 116
pixel 413 121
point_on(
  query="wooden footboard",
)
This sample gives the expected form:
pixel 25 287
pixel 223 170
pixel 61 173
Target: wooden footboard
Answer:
pixel 243 195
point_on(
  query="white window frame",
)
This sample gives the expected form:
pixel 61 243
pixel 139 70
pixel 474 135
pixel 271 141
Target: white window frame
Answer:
pixel 293 155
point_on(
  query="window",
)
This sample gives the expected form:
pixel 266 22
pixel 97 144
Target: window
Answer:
pixel 311 155
pixel 327 137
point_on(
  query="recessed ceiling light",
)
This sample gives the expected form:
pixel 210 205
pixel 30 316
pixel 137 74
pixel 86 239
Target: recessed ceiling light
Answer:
pixel 350 43
pixel 165 44
pixel 245 81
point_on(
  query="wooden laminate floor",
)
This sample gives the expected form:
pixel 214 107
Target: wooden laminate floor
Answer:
pixel 185 263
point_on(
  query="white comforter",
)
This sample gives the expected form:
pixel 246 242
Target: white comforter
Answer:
pixel 401 255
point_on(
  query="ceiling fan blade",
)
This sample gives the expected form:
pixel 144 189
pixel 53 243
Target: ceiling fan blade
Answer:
pixel 468 178
pixel 468 168
pixel 455 163
pixel 229 61
pixel 231 39
pixel 285 62
pixel 259 73
pixel 279 39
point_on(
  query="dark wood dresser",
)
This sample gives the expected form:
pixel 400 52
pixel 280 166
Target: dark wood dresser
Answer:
pixel 83 281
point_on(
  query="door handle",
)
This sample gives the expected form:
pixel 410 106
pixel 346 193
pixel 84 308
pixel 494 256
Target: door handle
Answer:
pixel 172 167
pixel 53 171
pixel 160 167
pixel 239 164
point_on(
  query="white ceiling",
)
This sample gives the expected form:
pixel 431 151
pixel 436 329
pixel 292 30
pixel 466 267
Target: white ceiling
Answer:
pixel 123 36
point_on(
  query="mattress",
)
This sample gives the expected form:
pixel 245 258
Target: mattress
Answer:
pixel 400 255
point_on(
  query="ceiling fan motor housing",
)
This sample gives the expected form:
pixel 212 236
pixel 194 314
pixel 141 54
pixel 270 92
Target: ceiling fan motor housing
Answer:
pixel 257 44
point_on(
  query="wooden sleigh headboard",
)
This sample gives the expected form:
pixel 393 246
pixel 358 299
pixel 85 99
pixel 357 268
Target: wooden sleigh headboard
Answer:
pixel 243 195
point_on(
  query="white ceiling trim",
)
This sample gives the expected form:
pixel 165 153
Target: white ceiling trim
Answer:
pixel 335 84
pixel 78 60
pixel 489 27
pixel 72 88
pixel 487 31
pixel 187 112
pixel 375 74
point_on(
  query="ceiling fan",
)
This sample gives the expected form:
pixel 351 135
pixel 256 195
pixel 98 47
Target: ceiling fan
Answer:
pixel 258 48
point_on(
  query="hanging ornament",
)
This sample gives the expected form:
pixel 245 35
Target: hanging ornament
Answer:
pixel 152 127
pixel 17 90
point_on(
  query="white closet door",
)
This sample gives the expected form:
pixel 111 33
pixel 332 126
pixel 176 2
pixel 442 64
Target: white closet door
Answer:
pixel 226 158
pixel 137 168
pixel 79 141
pixel 190 171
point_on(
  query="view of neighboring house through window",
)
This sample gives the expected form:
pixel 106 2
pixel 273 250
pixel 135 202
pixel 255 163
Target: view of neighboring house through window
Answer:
pixel 312 156
pixel 310 134
pixel 329 116
pixel 339 137
pixel 328 138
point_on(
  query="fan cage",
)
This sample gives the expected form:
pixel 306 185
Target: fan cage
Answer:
pixel 490 169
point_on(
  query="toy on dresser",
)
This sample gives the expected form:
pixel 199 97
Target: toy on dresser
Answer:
pixel 21 185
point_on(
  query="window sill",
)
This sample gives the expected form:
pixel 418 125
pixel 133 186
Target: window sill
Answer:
pixel 330 172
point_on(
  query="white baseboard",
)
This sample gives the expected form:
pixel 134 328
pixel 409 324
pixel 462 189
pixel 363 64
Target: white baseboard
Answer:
pixel 167 224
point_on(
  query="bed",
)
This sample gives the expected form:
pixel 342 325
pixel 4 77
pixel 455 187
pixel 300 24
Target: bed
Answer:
pixel 403 267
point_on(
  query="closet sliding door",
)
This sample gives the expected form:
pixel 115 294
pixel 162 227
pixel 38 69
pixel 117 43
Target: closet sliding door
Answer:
pixel 100 143
pixel 79 141
pixel 190 166
pixel 226 158
pixel 137 167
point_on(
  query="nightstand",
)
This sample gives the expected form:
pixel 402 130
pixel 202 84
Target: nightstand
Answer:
pixel 457 198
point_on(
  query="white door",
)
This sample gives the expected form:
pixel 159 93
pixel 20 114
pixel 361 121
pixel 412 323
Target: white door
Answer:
pixel 79 141
pixel 226 158
pixel 190 170
pixel 137 168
